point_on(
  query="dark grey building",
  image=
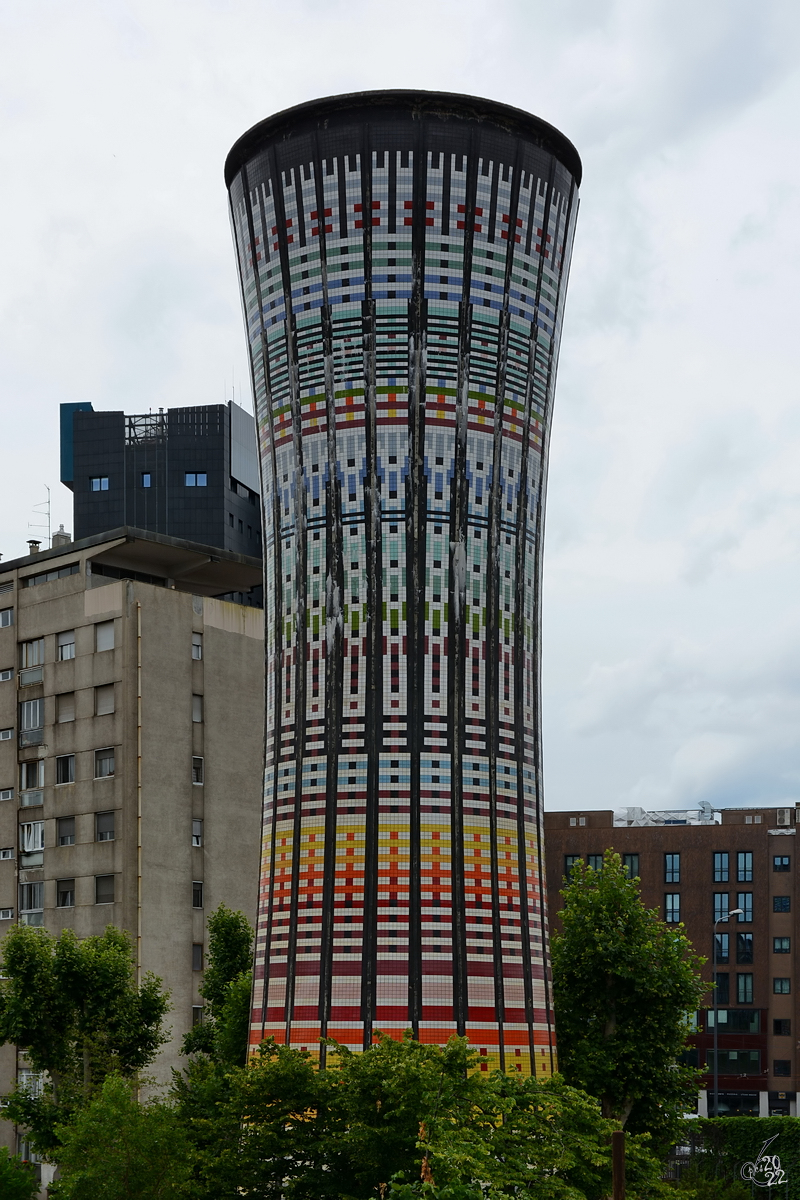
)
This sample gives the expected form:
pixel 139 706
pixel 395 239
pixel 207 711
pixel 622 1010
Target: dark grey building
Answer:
pixel 403 259
pixel 190 473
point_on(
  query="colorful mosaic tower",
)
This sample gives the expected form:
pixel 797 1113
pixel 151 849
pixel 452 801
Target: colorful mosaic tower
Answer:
pixel 403 259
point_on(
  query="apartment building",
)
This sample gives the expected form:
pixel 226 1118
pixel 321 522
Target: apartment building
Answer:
pixel 696 867
pixel 131 741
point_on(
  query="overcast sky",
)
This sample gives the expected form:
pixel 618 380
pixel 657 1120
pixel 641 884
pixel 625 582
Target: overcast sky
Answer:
pixel 671 648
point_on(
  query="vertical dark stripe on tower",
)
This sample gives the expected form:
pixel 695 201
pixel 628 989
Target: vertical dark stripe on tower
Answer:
pixel 457 622
pixel 373 707
pixel 416 530
pixel 334 632
pixel 275 667
pixel 300 571
pixel 539 557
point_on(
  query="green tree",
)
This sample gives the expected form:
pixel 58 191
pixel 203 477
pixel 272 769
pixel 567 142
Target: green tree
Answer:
pixel 17 1179
pixel 118 1149
pixel 625 986
pixel 75 1009
pixel 226 988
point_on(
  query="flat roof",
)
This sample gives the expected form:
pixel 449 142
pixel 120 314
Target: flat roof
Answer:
pixel 445 105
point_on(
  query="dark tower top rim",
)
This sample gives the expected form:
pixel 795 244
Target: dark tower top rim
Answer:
pixel 314 114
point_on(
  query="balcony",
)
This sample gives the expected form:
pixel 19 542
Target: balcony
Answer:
pixel 31 737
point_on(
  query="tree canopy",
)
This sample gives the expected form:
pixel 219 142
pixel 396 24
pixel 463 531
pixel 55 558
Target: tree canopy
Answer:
pixel 75 1009
pixel 226 988
pixel 625 986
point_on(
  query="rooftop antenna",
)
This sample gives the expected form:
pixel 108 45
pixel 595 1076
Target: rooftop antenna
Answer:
pixel 42 509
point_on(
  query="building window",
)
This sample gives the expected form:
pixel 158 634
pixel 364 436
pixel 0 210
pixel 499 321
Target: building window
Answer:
pixel 595 861
pixel 723 989
pixel 31 715
pixel 736 1062
pixel 6 735
pixel 781 1027
pixel 630 863
pixel 781 862
pixel 744 947
pixel 672 908
pixel 31 903
pixel 781 945
pixel 6 617
pixel 103 763
pixel 66 831
pixel 197 831
pixel 31 775
pixel 744 989
pixel 197 894
pixel 6 674
pixel 781 904
pixel 721 947
pixel 197 645
pixel 721 906
pixel 6 852
pixel 31 654
pixel 721 867
pixel 65 893
pixel 65 707
pixel 65 645
pixel 781 1066
pixel 569 863
pixel 197 956
pixel 104 636
pixel 65 768
pixel 744 901
pixel 104 889
pixel 197 709
pixel 104 827
pixel 195 479
pixel 145 479
pixel 781 985
pixel 6 914
pixel 98 483
pixel 744 866
pixel 197 1014
pixel 104 700
pixel 31 836
pixel 6 793
pixel 672 868
pixel 197 770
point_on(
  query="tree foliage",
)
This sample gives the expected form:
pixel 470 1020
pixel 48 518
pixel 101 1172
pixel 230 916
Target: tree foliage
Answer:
pixel 118 1149
pixel 625 986
pixel 17 1178
pixel 75 1009
pixel 226 988
pixel 394 1121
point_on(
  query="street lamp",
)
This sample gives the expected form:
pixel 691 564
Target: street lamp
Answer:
pixel 733 913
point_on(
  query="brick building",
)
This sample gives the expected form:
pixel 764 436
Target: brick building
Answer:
pixel 695 867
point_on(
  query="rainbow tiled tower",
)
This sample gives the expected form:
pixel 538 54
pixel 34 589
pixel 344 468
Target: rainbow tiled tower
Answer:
pixel 403 259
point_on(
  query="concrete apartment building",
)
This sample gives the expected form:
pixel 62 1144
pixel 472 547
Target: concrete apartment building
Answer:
pixel 131 737
pixel 695 867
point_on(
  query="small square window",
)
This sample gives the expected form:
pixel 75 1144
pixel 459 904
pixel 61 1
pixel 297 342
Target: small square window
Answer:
pixel 781 1066
pixel 146 477
pixel 104 700
pixel 781 862
pixel 6 914
pixel 65 645
pixel 197 894
pixel 197 646
pixel 6 674
pixel 65 893
pixel 781 904
pixel 65 768
pixel 65 707
pixel 197 831
pixel 197 709
pixel 104 827
pixel 104 636
pixel 197 956
pixel 6 852
pixel 103 763
pixel 781 945
pixel 198 772
pixel 781 1027
pixel 6 617
pixel 98 483
pixel 66 831
pixel 782 985
pixel 104 889
pixel 6 793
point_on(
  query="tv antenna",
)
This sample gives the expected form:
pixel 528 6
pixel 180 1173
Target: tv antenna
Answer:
pixel 42 509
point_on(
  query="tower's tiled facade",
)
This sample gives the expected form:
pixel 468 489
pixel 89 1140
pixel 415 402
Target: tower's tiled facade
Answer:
pixel 403 260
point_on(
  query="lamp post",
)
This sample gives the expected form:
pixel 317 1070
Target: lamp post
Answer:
pixel 734 912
